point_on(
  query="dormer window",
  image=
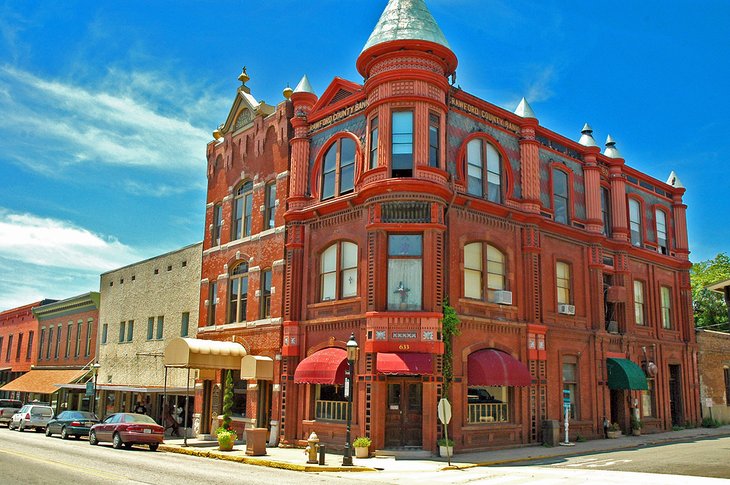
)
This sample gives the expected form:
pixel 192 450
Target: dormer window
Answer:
pixel 402 144
pixel 338 170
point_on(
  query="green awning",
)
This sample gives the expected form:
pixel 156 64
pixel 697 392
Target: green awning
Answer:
pixel 624 374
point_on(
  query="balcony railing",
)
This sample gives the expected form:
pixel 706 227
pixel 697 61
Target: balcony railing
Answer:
pixel 488 413
pixel 331 410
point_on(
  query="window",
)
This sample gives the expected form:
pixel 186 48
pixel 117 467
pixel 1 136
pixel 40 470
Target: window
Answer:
pixel 238 294
pixel 639 302
pixel 130 330
pixel 79 328
pixel 666 304
pixel 57 350
pixel 20 346
pixel 330 403
pixel 562 272
pixel 1 344
pixel 242 203
pixel 150 328
pixel 488 404
pixel 647 399
pixel 606 211
pixel 374 142
pixel 265 310
pixel 338 170
pixel 9 349
pixel 570 384
pixel 402 144
pixel 122 327
pixel 560 196
pixel 30 345
pixel 42 341
pixel 475 260
pixel 332 287
pixel 160 327
pixel 661 231
pixel 104 333
pixel 270 206
pixel 89 323
pixel 50 342
pixel 185 324
pixel 635 222
pixel 68 338
pixel 483 162
pixel 405 271
pixel 726 372
pixel 217 224
pixel 239 394
pixel 434 129
pixel 212 300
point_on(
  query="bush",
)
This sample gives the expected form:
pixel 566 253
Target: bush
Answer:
pixel 614 427
pixel 580 439
pixel 636 423
pixel 226 437
pixel 445 442
pixel 362 442
pixel 708 422
pixel 227 401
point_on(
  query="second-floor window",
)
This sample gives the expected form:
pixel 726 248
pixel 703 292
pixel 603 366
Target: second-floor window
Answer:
pixel 185 324
pixel 20 346
pixel 212 301
pixel 338 169
pixel 69 331
pixel 338 259
pixel 635 222
pixel 9 349
pixel 270 206
pixel 606 211
pixel 104 332
pixel 477 257
pixel 374 142
pixel 563 280
pixel 434 130
pixel 79 329
pixel 238 293
pixel 217 224
pixel 59 329
pixel 484 170
pixel 41 342
pixel 242 206
pixel 639 302
pixel 30 345
pixel 661 231
pixel 666 306
pixel 265 311
pixel 160 327
pixel 402 144
pixel 560 197
pixel 405 272
pixel 150 328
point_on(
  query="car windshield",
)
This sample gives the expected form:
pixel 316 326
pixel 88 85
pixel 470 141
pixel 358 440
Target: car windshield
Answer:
pixel 41 411
pixel 138 418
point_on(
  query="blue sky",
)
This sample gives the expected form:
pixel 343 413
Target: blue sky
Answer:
pixel 106 107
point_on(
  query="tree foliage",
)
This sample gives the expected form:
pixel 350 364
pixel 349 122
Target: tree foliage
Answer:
pixel 227 401
pixel 450 329
pixel 709 306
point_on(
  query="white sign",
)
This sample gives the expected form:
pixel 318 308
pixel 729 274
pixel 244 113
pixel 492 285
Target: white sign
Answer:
pixel 444 411
pixel 347 387
pixel 708 402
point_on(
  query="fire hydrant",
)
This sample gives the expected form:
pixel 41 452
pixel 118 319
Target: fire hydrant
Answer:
pixel 312 448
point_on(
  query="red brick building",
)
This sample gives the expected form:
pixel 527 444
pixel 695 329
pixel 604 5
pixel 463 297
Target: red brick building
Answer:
pixel 567 268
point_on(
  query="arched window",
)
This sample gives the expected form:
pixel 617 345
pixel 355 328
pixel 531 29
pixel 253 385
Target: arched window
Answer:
pixel 238 293
pixel 338 259
pixel 484 170
pixel 475 260
pixel 242 206
pixel 338 169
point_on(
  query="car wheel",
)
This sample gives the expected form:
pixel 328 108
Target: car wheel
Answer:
pixel 48 431
pixel 92 438
pixel 117 441
pixel 77 436
pixel 64 433
pixel 10 426
pixel 153 446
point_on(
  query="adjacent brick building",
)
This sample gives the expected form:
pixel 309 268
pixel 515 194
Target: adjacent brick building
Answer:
pixel 713 361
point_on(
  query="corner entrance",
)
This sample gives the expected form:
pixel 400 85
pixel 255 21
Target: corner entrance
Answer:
pixel 404 413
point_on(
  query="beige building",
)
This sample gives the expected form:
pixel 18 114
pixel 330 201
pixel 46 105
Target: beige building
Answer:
pixel 143 307
pixel 714 368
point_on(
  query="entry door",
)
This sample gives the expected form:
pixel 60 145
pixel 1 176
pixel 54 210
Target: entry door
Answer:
pixel 404 414
pixel 675 395
pixel 263 409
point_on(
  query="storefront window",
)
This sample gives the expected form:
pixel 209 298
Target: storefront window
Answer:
pixel 330 403
pixel 239 395
pixel 570 384
pixel 405 271
pixel 488 404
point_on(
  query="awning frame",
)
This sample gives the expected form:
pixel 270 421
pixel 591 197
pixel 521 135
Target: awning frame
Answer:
pixel 624 374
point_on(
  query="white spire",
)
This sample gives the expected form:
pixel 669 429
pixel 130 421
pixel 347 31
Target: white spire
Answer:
pixel 611 151
pixel 304 86
pixel 524 110
pixel 586 138
pixel 674 181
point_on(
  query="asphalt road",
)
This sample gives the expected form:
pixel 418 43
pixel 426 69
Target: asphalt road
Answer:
pixel 30 458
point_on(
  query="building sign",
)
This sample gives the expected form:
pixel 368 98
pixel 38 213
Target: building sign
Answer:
pixel 404 335
pixel 484 115
pixel 337 116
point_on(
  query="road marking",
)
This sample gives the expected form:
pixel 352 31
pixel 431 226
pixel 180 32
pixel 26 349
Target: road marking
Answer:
pixel 73 468
pixel 593 463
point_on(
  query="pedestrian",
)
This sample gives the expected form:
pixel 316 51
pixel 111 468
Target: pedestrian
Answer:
pixel 605 426
pixel 170 421
pixel 140 409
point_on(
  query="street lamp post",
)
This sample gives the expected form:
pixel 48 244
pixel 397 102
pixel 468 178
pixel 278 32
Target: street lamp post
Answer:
pixel 351 357
pixel 95 367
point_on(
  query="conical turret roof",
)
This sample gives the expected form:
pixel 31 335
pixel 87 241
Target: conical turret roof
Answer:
pixel 406 20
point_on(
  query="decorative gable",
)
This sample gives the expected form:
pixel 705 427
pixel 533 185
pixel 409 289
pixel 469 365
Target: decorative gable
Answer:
pixel 245 109
pixel 337 94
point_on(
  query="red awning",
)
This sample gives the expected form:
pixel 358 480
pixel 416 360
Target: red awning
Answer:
pixel 490 367
pixel 410 364
pixel 326 366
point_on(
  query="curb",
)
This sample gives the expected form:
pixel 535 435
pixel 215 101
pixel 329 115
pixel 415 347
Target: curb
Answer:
pixel 263 461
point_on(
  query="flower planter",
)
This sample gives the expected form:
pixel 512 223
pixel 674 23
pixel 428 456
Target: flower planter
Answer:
pixel 362 452
pixel 613 434
pixel 636 432
pixel 445 451
pixel 225 446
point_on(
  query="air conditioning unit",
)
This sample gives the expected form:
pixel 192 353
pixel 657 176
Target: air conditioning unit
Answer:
pixel 566 309
pixel 503 297
pixel 612 326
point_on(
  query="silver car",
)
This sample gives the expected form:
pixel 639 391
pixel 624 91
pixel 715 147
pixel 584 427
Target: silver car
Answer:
pixel 31 416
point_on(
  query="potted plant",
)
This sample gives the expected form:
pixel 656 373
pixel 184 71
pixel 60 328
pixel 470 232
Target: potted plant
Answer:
pixel 362 447
pixel 446 447
pixel 636 425
pixel 614 430
pixel 227 436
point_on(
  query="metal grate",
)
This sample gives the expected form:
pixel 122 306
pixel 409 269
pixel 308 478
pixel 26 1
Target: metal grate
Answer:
pixel 406 212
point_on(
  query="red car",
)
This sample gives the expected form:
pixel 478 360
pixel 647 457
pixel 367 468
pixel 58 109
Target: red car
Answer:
pixel 127 429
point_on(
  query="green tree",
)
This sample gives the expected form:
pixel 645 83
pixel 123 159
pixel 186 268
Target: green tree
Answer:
pixel 709 306
pixel 450 328
pixel 227 401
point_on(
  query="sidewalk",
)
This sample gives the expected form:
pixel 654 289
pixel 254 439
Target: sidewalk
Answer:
pixel 295 459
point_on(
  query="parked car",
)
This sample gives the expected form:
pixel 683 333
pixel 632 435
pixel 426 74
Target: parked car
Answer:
pixel 68 423
pixel 127 429
pixel 31 416
pixel 8 407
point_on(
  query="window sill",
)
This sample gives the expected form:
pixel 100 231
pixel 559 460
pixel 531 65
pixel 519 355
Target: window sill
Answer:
pixel 337 302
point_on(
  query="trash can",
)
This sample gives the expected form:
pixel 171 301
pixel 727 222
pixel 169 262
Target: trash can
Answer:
pixel 256 441
pixel 551 432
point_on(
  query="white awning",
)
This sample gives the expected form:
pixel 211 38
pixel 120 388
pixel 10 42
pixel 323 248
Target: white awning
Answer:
pixel 196 353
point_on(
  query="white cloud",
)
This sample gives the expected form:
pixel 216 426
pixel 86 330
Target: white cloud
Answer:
pixel 539 89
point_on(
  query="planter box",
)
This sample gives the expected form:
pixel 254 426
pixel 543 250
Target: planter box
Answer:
pixel 445 451
pixel 362 452
pixel 613 434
